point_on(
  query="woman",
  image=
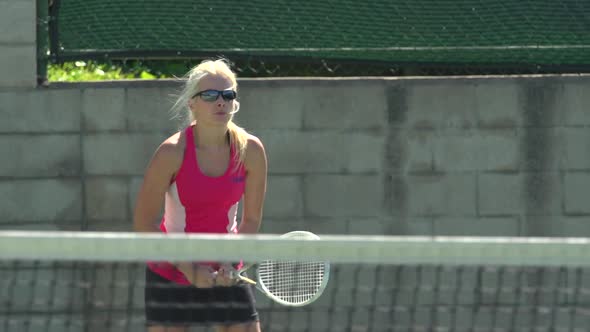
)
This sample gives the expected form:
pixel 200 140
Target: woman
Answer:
pixel 199 175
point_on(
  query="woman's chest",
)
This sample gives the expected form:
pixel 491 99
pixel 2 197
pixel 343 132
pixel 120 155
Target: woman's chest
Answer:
pixel 202 191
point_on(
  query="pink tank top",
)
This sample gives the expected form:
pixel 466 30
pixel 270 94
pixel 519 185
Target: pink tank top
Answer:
pixel 197 203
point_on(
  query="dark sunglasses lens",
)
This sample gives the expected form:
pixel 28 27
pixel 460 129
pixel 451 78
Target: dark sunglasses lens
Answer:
pixel 229 94
pixel 209 95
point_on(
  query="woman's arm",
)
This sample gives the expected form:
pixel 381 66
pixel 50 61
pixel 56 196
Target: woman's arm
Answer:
pixel 158 175
pixel 255 190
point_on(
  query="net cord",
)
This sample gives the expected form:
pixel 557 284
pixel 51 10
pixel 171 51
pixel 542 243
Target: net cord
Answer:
pixel 121 247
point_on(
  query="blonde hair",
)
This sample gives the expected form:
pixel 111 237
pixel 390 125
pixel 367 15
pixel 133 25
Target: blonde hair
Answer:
pixel 238 137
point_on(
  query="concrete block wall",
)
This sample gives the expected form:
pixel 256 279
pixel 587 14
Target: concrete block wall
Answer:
pixel 490 156
pixel 453 156
pixel 18 50
pixel 480 156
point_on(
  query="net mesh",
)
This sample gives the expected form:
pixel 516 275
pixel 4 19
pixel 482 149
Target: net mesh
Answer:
pixel 539 32
pixel 95 282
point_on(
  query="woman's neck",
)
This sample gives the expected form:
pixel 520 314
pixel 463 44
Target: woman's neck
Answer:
pixel 207 137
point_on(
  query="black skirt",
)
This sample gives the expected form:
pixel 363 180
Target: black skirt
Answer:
pixel 170 304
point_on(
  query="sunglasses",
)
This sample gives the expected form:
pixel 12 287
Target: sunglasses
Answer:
pixel 212 95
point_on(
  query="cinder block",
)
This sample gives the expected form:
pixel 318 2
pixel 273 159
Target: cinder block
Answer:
pixel 576 193
pixel 112 225
pixel 497 103
pixel 370 226
pixel 558 226
pixel 280 225
pixel 441 195
pixel 500 194
pixel 397 110
pixel 534 194
pixel 542 225
pixel 574 226
pixel 355 105
pixel 62 111
pixel 119 154
pixel 18 65
pixel 42 226
pixel 574 103
pixel 148 109
pixel 410 151
pixel 441 104
pixel 543 193
pixel 319 226
pixel 577 151
pixel 17 22
pixel 12 104
pixel 541 149
pixel 388 225
pixel 325 151
pixel 419 227
pixel 477 226
pixel 103 109
pixel 343 195
pixel 365 152
pixel 477 150
pixel 40 111
pixel 284 197
pixel 539 102
pixel 325 226
pixel 106 198
pixel 41 200
pixel 265 106
pixel 134 186
pixel 40 155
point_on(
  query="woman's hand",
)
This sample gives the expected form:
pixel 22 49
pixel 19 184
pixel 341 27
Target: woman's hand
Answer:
pixel 225 275
pixel 201 276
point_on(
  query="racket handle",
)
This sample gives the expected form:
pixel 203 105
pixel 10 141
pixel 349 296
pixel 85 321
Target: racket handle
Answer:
pixel 248 280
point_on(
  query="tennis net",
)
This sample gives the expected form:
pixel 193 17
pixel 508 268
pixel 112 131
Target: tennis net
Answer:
pixel 59 281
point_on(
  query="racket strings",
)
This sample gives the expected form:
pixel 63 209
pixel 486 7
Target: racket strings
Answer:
pixel 292 281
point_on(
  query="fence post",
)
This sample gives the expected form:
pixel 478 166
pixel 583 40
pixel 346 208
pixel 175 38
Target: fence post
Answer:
pixel 42 40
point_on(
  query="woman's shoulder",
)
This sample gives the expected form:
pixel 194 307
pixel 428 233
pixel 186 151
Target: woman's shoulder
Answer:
pixel 254 144
pixel 172 148
pixel 255 152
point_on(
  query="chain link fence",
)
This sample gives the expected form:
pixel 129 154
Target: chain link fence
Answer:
pixel 328 38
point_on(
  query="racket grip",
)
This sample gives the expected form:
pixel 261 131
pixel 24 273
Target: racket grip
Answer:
pixel 247 280
pixel 237 275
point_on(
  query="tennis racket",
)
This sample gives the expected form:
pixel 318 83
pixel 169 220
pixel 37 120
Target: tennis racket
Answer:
pixel 290 283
